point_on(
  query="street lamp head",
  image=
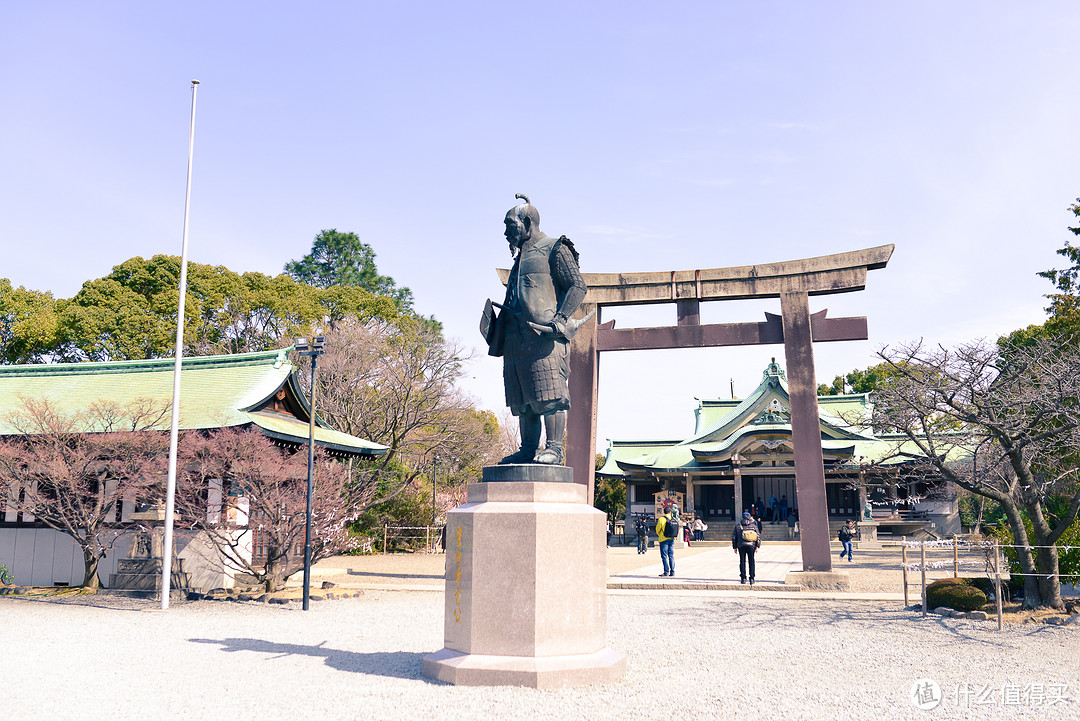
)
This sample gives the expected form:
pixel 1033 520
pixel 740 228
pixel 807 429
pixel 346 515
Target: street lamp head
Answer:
pixel 194 82
pixel 318 342
pixel 300 344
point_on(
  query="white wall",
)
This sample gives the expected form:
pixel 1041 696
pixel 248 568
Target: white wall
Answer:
pixel 45 557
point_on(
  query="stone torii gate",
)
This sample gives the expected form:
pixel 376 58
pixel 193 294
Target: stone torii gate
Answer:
pixel 790 281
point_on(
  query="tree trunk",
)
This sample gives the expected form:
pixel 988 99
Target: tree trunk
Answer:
pixel 1046 558
pixel 276 570
pixel 90 566
pixel 1032 596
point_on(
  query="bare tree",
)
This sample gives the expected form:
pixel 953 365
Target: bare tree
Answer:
pixel 393 383
pixel 236 485
pixel 1001 423
pixel 73 480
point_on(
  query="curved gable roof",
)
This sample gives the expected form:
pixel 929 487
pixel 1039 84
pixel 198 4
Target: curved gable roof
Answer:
pixel 215 392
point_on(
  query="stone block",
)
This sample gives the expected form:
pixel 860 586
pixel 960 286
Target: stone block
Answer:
pixel 527 473
pixel 526 596
pixel 819 580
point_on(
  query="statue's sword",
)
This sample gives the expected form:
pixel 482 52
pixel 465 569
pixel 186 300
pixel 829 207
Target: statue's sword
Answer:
pixel 572 325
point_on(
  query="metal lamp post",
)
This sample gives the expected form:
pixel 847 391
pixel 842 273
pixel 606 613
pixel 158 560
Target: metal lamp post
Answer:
pixel 315 350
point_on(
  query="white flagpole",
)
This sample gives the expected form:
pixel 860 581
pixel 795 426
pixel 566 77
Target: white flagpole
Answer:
pixel 174 430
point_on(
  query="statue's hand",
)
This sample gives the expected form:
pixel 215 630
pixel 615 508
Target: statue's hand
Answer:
pixel 558 326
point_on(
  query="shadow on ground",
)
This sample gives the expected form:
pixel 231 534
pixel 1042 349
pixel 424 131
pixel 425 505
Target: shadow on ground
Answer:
pixel 395 664
pixel 382 574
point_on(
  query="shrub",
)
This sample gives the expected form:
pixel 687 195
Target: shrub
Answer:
pixel 986 585
pixel 958 593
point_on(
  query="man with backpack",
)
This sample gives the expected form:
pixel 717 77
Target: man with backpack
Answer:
pixel 847 532
pixel 746 539
pixel 642 529
pixel 667 529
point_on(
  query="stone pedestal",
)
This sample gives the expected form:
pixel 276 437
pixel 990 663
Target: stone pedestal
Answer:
pixel 140 574
pixel 526 576
pixel 868 537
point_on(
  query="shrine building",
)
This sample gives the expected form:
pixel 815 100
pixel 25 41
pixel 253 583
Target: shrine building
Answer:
pixel 741 453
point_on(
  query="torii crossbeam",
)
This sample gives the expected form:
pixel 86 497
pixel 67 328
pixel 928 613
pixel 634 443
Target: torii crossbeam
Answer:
pixel 790 281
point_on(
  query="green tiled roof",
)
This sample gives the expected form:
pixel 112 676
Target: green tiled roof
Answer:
pixel 722 425
pixel 290 428
pixel 215 392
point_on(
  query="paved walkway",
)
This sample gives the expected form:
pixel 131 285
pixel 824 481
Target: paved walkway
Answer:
pixel 712 568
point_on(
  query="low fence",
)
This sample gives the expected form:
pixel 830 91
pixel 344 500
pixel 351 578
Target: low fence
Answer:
pixel 991 561
pixel 415 539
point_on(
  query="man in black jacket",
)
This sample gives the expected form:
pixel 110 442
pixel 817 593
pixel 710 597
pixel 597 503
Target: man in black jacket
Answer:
pixel 746 539
pixel 642 529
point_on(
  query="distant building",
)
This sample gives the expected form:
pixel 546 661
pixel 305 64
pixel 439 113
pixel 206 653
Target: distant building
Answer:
pixel 248 390
pixel 741 451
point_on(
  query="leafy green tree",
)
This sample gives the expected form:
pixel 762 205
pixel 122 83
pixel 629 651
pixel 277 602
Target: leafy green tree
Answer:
pixel 1064 308
pixel 857 381
pixel 28 324
pixel 343 259
pixel 610 497
pixel 131 313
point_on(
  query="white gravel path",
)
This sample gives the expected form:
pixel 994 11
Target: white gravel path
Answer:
pixel 748 658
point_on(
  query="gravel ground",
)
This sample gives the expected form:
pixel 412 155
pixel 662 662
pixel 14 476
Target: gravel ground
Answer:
pixel 873 571
pixel 742 658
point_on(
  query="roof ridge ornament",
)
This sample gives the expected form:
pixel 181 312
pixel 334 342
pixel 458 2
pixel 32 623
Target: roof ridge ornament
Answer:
pixel 773 370
pixel 774 413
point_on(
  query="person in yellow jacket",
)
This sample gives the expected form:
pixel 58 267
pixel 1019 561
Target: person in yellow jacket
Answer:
pixel 667 530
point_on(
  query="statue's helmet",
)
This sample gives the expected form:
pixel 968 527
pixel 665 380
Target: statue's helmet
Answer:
pixel 525 210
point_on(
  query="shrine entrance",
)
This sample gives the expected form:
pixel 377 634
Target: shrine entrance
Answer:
pixel 792 282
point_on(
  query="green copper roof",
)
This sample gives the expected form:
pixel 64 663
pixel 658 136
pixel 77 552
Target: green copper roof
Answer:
pixel 725 426
pixel 290 428
pixel 215 392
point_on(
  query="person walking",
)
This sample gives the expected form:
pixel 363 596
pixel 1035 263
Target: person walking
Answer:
pixel 667 530
pixel 746 540
pixel 792 524
pixel 642 529
pixel 847 532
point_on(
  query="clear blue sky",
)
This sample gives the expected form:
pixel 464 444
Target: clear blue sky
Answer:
pixel 657 136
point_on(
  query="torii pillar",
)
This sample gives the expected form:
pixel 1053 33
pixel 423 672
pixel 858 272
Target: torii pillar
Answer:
pixel 792 282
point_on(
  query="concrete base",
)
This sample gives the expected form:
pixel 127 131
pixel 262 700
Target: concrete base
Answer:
pixel 526 588
pixel 465 669
pixel 820 580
